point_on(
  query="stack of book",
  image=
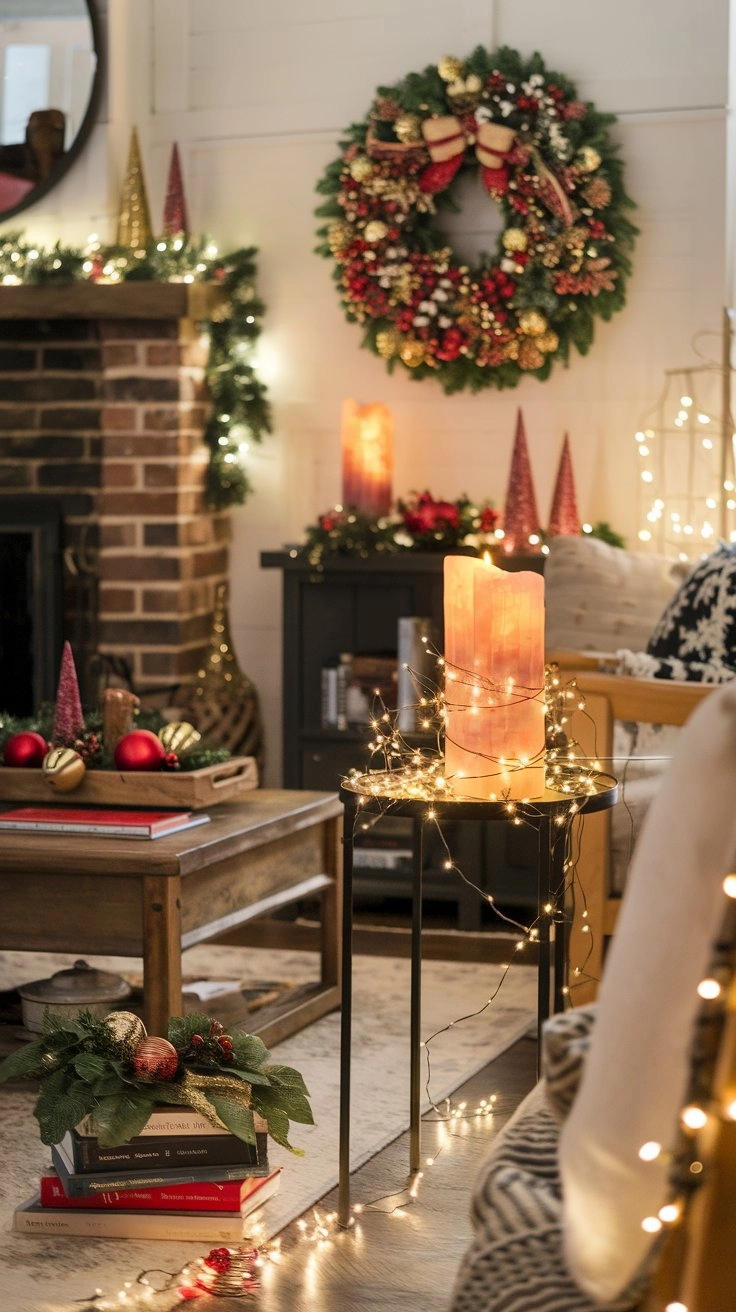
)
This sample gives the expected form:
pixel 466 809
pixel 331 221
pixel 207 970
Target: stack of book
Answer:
pixel 181 1178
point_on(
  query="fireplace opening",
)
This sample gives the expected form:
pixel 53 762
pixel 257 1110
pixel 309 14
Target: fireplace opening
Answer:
pixel 30 602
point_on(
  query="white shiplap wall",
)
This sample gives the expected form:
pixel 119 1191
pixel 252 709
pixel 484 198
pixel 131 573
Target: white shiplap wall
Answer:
pixel 256 95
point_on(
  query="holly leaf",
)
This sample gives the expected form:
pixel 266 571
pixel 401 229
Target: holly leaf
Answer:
pixel 291 1102
pixel 286 1077
pixel 278 1128
pixel 26 1063
pixel 233 1114
pixel 120 1117
pixel 59 1110
pixel 249 1051
pixel 90 1067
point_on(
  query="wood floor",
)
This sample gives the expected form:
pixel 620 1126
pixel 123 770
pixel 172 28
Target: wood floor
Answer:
pixel 401 1259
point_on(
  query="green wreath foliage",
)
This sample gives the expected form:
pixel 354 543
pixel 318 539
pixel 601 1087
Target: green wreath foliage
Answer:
pixel 562 259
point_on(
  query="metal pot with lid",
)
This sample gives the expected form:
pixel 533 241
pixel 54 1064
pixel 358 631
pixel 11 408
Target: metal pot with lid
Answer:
pixel 80 988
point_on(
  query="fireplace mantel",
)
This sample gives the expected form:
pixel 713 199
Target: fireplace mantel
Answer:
pixel 125 300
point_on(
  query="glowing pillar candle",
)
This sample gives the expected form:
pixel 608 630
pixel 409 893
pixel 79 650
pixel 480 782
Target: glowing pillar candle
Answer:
pixel 367 457
pixel 494 680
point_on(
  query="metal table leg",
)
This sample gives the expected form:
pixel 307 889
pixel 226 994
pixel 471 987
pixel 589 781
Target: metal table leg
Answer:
pixel 343 1210
pixel 416 999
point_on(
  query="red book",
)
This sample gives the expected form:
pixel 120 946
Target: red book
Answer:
pixel 205 1196
pixel 114 823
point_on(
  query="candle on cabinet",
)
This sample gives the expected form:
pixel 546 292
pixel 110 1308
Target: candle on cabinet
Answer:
pixel 494 680
pixel 367 457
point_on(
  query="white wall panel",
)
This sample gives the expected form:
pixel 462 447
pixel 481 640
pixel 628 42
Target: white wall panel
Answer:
pixel 634 55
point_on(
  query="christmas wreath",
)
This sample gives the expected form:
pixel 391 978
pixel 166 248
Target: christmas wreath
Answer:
pixel 544 155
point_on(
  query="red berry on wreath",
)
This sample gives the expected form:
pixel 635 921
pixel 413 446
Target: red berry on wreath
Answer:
pixel 139 750
pixel 25 750
pixel 155 1059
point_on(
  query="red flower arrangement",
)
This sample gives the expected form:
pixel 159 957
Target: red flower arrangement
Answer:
pixel 422 523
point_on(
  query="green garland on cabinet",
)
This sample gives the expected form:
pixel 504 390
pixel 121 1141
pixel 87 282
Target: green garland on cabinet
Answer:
pixel 240 408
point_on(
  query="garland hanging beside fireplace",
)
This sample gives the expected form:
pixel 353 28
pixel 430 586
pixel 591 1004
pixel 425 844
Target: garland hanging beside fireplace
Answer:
pixel 240 407
pixel 544 155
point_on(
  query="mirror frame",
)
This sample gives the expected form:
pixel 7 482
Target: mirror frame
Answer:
pixel 85 127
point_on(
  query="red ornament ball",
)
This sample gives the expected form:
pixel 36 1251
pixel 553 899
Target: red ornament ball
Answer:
pixel 139 750
pixel 25 750
pixel 155 1059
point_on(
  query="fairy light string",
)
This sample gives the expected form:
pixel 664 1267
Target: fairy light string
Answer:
pixel 409 772
pixel 709 1104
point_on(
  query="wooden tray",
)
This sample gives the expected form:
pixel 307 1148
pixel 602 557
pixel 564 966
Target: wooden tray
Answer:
pixel 186 790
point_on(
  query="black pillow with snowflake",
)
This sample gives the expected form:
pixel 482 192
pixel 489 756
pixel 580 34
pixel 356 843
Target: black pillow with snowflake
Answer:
pixel 696 637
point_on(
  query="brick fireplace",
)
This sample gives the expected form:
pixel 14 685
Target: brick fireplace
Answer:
pixel 102 472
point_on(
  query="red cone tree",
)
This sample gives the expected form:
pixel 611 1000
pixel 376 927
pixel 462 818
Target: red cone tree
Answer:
pixel 68 718
pixel 520 518
pixel 564 520
pixel 175 210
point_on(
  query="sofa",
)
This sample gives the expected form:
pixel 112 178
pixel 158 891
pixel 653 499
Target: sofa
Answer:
pixel 645 639
pixel 594 1196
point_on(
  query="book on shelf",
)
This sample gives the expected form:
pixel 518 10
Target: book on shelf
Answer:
pixel 414 668
pixel 104 1223
pixel 116 823
pixel 203 1196
pixel 80 1183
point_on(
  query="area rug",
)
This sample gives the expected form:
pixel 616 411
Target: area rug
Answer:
pixel 46 1274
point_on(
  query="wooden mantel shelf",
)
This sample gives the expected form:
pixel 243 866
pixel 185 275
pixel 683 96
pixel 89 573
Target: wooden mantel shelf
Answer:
pixel 126 300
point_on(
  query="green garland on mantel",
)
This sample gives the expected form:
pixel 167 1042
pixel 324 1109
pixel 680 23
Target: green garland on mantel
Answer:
pixel 240 409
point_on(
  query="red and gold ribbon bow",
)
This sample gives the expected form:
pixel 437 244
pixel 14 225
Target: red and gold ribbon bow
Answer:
pixel 446 141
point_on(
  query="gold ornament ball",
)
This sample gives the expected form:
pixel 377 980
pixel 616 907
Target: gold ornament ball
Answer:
pixel 361 168
pixel 388 342
pixel 179 736
pixel 63 769
pixel 408 128
pixel 338 236
pixel 413 352
pixel 532 323
pixel 375 230
pixel 450 68
pixel 127 1030
pixel 530 357
pixel 588 159
pixel 548 342
pixel 514 239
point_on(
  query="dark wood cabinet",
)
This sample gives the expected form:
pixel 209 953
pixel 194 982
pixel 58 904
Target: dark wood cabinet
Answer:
pixel 352 605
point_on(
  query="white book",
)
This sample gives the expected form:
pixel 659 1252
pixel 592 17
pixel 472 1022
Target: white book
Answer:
pixel 212 1227
pixel 165 1120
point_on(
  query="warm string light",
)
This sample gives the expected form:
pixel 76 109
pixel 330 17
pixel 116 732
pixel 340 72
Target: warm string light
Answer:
pixel 686 481
pixel 705 1103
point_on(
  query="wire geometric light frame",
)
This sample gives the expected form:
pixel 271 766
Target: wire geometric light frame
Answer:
pixel 687 474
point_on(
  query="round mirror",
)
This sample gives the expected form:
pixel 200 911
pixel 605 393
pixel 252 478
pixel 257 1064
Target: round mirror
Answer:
pixel 48 93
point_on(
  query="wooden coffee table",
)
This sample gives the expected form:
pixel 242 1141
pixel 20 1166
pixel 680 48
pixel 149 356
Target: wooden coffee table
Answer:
pixel 153 898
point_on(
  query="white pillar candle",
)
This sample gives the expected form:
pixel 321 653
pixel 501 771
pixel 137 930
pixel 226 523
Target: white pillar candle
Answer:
pixel 494 680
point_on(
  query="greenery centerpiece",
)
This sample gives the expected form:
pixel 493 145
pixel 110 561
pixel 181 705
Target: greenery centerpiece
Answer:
pixel 113 1072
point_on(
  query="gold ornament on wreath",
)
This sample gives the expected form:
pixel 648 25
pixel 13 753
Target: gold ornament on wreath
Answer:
pixel 544 156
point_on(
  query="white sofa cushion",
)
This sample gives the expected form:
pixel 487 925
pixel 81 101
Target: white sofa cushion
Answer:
pixel 601 598
pixel 636 1071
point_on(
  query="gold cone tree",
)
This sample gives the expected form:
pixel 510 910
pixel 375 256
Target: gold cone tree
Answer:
pixel 134 220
